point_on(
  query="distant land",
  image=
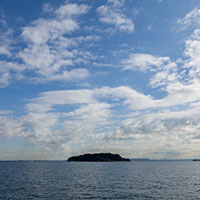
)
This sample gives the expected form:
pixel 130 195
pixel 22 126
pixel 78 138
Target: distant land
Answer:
pixel 148 159
pixel 98 157
pixel 140 159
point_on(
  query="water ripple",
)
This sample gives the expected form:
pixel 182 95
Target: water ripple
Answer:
pixel 134 180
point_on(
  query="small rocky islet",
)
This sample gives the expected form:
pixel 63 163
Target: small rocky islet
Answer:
pixel 98 157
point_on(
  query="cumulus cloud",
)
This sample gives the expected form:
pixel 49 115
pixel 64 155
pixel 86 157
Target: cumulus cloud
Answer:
pixel 112 14
pixel 47 52
pixel 42 30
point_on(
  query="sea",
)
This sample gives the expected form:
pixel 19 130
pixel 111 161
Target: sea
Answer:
pixel 61 180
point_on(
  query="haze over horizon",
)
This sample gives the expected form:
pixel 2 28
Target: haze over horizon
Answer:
pixel 120 76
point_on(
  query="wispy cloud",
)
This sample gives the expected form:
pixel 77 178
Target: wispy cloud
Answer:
pixel 8 70
pixel 5 112
pixel 112 14
pixel 192 51
pixel 90 118
pixel 163 69
pixel 190 19
pixel 144 62
pixel 6 38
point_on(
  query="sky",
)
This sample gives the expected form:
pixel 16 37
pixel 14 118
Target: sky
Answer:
pixel 120 76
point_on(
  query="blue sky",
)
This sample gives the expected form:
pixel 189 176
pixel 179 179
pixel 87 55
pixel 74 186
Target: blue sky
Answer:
pixel 119 76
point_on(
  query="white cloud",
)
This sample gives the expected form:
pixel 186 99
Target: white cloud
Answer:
pixel 74 125
pixel 50 29
pixel 112 14
pixel 47 8
pixel 46 125
pixel 50 53
pixel 47 100
pixel 163 70
pixel 179 94
pixel 180 87
pixel 164 130
pixel 190 72
pixel 6 39
pixel 117 3
pixel 144 62
pixel 10 127
pixel 47 53
pixel 69 10
pixel 128 96
pixel 167 122
pixel 91 119
pixel 37 126
pixel 73 75
pixel 190 19
pixel 4 79
pixel 192 51
pixel 43 30
pixel 9 71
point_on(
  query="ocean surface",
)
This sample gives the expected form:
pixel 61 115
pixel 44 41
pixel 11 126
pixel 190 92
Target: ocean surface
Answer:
pixel 59 180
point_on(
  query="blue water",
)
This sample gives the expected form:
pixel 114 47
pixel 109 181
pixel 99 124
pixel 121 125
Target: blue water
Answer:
pixel 126 180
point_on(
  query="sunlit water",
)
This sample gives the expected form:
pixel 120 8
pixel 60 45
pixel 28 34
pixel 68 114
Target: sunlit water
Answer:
pixel 125 180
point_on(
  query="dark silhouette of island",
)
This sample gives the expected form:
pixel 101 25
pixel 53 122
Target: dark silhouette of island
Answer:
pixel 98 157
pixel 196 160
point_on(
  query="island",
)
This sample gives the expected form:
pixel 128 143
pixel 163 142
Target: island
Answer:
pixel 98 157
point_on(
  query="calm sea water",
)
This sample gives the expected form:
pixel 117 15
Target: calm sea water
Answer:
pixel 134 180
